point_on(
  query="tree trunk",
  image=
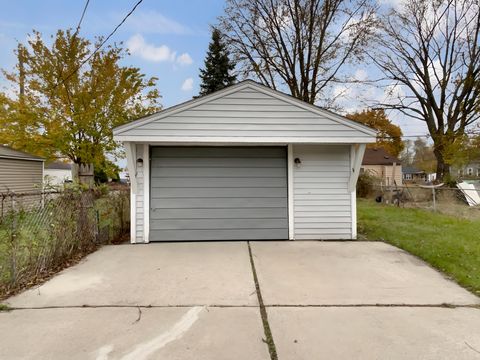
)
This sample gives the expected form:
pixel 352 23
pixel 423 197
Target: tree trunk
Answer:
pixel 443 169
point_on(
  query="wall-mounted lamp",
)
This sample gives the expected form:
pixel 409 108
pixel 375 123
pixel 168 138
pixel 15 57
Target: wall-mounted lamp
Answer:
pixel 297 162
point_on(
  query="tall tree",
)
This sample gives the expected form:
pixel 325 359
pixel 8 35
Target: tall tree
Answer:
pixel 302 45
pixel 424 157
pixel 218 71
pixel 389 135
pixel 65 110
pixel 429 51
pixel 406 156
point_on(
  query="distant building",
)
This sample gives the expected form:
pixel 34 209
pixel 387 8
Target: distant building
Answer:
pixel 379 163
pixel 413 175
pixel 57 173
pixel 20 172
pixel 469 171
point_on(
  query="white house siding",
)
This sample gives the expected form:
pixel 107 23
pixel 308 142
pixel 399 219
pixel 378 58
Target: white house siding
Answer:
pixel 57 176
pixel 139 197
pixel 321 200
pixel 248 114
pixel 385 172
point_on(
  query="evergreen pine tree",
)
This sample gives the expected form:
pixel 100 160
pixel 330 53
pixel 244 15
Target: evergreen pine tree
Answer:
pixel 217 73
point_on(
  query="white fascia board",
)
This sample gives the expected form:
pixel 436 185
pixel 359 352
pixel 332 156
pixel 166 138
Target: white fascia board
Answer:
pixel 242 140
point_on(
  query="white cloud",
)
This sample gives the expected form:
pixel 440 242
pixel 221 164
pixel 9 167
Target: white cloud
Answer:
pixel 138 46
pixel 187 85
pixel 155 22
pixel 396 4
pixel 360 75
pixel 185 59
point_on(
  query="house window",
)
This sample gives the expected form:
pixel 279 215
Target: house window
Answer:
pixel 408 176
pixel 470 171
pixel 478 172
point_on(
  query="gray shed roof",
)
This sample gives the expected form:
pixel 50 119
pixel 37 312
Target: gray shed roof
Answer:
pixel 58 165
pixel 9 153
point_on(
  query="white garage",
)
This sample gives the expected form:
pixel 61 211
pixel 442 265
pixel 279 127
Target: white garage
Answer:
pixel 244 163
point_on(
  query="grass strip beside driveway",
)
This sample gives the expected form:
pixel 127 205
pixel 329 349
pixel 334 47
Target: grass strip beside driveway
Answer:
pixel 450 244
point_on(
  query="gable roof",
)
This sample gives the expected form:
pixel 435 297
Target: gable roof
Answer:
pixel 9 153
pixel 378 156
pixel 58 165
pixel 245 112
pixel 411 170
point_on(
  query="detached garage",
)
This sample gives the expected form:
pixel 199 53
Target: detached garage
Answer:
pixel 244 163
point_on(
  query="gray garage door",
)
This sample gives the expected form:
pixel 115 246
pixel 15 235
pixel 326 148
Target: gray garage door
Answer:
pixel 218 193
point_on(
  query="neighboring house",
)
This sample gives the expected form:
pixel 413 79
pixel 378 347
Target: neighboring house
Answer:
pixel 244 163
pixel 379 163
pixel 469 171
pixel 414 175
pixel 20 172
pixel 57 173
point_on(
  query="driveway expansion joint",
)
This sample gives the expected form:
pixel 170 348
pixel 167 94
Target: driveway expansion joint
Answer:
pixel 263 311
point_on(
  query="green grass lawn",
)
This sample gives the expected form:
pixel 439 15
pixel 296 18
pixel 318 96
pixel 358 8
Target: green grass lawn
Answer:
pixel 449 244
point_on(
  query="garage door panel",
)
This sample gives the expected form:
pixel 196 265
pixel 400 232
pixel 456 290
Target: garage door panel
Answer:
pixel 205 224
pixel 208 202
pixel 218 152
pixel 195 235
pixel 199 192
pixel 217 193
pixel 201 213
pixel 218 172
pixel 214 182
pixel 220 162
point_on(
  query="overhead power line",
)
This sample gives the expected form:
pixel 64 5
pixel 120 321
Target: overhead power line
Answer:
pixel 99 46
pixel 81 17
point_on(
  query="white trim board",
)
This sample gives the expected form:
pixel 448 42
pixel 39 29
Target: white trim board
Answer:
pixel 204 140
pixel 146 192
pixel 290 190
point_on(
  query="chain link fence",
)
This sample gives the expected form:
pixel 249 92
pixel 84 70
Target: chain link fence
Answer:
pixel 443 199
pixel 43 231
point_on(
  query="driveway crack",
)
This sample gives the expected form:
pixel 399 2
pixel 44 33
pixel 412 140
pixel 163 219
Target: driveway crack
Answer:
pixel 263 311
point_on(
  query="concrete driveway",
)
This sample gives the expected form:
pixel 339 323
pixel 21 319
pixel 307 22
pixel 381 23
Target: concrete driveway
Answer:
pixel 320 300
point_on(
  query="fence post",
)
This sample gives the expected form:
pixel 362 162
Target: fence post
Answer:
pixel 434 199
pixel 13 241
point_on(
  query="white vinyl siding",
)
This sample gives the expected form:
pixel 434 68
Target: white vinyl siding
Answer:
pixel 322 202
pixel 246 115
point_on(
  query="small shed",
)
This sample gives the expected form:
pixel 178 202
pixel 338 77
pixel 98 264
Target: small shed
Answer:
pixel 20 172
pixel 379 163
pixel 244 163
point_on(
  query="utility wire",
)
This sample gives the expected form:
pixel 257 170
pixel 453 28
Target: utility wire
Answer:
pixel 81 18
pixel 99 46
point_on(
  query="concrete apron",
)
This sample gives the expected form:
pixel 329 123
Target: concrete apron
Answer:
pixel 320 299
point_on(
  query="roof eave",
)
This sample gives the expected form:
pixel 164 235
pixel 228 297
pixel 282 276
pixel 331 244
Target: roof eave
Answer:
pixel 243 140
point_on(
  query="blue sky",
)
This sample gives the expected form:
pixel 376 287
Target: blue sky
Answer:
pixel 167 39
